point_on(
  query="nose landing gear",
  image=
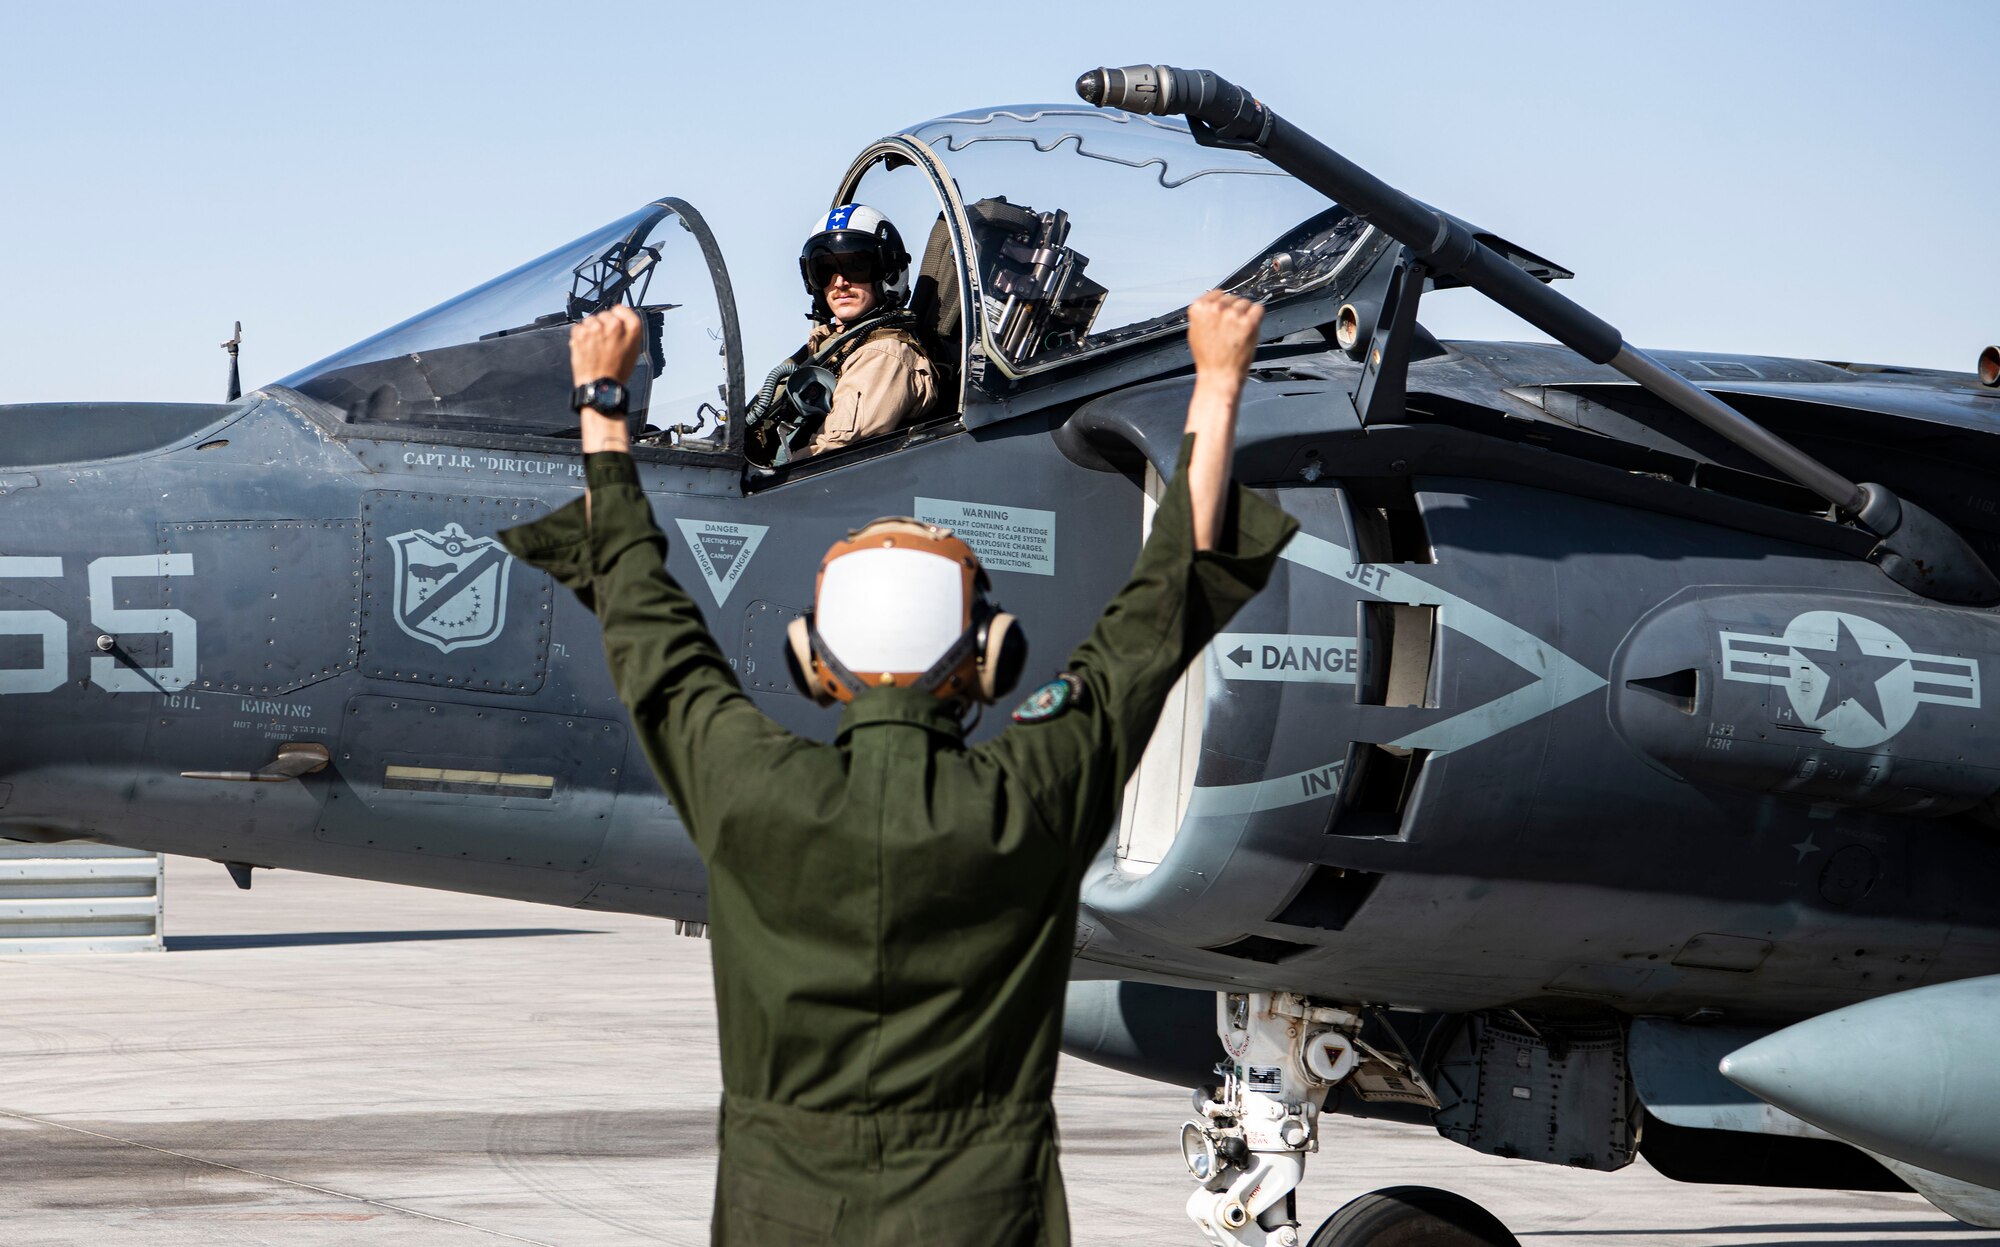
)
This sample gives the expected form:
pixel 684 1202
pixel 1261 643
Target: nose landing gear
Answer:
pixel 1247 1148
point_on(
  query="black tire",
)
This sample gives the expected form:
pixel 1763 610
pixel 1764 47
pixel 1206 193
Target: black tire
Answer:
pixel 1412 1216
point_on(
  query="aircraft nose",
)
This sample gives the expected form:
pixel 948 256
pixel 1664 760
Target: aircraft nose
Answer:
pixel 1758 1068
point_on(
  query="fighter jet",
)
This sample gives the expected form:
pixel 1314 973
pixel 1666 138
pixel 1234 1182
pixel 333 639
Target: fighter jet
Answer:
pixel 1617 715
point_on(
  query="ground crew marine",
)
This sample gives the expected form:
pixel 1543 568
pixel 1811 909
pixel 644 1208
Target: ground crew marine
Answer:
pixel 892 913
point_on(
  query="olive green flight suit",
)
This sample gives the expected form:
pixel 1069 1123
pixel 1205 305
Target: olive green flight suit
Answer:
pixel 892 914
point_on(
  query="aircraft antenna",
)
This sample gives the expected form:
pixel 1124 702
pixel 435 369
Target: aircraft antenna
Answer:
pixel 235 377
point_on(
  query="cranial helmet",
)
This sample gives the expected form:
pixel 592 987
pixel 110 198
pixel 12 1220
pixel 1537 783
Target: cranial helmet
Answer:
pixel 900 602
pixel 863 244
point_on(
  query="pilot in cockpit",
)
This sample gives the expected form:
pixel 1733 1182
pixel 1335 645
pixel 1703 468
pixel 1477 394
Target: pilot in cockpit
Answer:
pixel 862 370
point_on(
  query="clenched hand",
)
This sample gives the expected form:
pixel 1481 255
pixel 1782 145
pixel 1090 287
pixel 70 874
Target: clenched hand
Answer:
pixel 605 345
pixel 1222 334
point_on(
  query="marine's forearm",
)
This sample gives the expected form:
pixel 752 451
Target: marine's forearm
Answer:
pixel 653 632
pixel 1212 420
pixel 674 681
pixel 602 433
pixel 651 629
pixel 1222 337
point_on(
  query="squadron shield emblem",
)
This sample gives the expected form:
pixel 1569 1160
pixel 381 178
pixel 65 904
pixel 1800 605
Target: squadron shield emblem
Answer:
pixel 1050 700
pixel 451 587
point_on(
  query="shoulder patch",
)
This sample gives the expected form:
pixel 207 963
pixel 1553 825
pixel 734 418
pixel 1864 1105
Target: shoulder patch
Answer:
pixel 1050 701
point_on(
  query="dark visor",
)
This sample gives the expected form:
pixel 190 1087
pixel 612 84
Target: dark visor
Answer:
pixel 860 267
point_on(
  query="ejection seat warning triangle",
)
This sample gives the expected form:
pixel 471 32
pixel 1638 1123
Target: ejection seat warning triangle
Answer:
pixel 721 551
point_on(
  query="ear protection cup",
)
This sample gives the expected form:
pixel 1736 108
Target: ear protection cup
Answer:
pixel 799 661
pixel 1001 656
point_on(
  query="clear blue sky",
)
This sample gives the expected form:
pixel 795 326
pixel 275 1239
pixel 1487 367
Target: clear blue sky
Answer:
pixel 1804 179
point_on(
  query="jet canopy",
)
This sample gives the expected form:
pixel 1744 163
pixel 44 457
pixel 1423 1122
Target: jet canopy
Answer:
pixel 1083 231
pixel 496 358
pixel 1058 247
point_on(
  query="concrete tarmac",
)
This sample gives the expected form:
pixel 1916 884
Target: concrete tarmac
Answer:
pixel 321 1061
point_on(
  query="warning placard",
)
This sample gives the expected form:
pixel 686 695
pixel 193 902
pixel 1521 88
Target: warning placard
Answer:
pixel 1006 539
pixel 721 551
pixel 1288 656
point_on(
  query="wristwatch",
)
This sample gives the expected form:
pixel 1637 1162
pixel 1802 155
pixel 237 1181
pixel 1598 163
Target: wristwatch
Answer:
pixel 604 396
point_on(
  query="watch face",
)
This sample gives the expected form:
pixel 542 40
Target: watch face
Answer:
pixel 604 396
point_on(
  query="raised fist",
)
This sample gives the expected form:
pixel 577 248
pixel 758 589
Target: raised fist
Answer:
pixel 605 345
pixel 1222 334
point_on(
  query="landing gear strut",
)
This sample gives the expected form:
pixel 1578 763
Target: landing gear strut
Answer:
pixel 1247 1148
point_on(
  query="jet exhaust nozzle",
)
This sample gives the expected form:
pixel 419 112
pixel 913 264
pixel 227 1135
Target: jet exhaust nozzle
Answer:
pixel 1909 1075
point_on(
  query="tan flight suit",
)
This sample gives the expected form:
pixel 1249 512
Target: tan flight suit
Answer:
pixel 893 913
pixel 886 382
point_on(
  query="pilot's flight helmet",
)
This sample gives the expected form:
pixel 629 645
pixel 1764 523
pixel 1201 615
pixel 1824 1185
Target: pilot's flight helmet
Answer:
pixel 862 243
pixel 906 603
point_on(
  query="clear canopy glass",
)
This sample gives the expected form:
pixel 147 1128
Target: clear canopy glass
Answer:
pixel 496 358
pixel 1096 228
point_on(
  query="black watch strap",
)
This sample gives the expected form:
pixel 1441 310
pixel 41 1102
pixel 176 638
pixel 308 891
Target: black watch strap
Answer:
pixel 603 395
